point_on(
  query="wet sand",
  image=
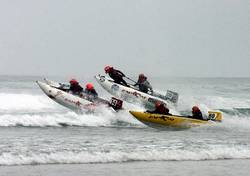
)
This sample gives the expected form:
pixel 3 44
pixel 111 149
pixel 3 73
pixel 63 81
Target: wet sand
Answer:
pixel 175 168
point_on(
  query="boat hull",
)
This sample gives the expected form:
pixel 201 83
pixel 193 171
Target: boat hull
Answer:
pixel 158 120
pixel 65 99
pixel 127 94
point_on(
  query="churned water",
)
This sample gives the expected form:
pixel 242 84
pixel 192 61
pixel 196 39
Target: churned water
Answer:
pixel 34 130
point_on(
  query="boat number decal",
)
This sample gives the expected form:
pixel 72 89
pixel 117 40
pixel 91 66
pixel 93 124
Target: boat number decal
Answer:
pixel 165 118
pixel 212 116
pixel 115 87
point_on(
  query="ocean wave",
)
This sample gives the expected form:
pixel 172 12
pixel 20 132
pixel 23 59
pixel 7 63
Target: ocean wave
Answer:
pixel 215 153
pixel 244 112
pixel 13 102
pixel 235 122
pixel 103 118
pixel 40 111
pixel 212 102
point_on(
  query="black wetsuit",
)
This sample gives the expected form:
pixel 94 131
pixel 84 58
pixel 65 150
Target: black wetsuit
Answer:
pixel 117 76
pixel 197 115
pixel 92 93
pixel 76 89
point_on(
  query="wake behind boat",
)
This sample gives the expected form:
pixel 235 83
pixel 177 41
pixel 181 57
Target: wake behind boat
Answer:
pixel 132 95
pixel 56 91
pixel 159 120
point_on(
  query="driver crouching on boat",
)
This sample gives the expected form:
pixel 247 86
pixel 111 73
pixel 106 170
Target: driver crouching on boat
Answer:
pixel 160 108
pixel 144 85
pixel 75 88
pixel 90 92
pixel 116 75
pixel 196 113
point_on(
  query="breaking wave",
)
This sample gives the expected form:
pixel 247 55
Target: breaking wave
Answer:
pixel 13 103
pixel 213 153
pixel 38 110
pixel 226 140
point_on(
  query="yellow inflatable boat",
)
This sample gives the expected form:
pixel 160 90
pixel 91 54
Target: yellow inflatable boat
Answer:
pixel 158 120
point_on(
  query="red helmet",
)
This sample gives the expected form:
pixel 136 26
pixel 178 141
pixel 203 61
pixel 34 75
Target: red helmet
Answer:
pixel 73 81
pixel 141 75
pixel 89 86
pixel 195 109
pixel 107 69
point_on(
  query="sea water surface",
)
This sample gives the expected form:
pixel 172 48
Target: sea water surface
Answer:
pixel 39 133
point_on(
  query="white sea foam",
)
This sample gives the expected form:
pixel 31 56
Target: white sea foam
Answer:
pixel 235 122
pixel 10 102
pixel 214 153
pixel 39 110
pixel 105 118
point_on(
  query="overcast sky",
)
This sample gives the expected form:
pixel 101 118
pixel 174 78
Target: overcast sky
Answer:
pixel 158 37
